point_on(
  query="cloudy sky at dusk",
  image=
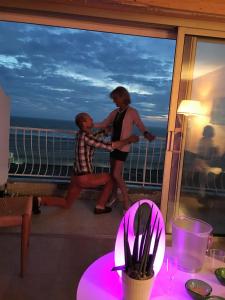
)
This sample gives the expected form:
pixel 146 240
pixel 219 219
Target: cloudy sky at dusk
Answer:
pixel 54 73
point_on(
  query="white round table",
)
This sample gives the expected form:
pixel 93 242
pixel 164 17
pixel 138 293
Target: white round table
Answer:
pixel 99 283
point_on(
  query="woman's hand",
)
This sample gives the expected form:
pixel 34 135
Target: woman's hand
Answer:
pixel 150 137
pixel 131 139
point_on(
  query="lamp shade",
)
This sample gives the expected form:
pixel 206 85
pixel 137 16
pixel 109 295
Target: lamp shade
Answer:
pixel 189 107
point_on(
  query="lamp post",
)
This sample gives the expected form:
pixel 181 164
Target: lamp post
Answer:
pixel 186 108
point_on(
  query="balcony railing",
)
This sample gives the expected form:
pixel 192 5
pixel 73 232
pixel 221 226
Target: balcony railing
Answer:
pixel 48 153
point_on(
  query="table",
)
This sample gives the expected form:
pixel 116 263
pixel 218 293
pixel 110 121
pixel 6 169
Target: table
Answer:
pixel 99 283
pixel 17 211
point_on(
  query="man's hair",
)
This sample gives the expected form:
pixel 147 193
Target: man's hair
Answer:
pixel 208 131
pixel 80 119
pixel 122 93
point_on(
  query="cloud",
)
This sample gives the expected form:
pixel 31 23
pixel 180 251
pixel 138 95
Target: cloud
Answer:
pixel 56 72
pixel 13 62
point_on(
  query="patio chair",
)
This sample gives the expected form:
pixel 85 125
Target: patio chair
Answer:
pixel 16 211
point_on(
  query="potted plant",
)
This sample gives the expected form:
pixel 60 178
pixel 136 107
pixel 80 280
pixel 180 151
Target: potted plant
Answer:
pixel 139 256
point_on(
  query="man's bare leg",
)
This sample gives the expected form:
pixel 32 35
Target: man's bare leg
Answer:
pixel 77 184
pixel 105 194
pixel 72 194
pixel 53 201
pixel 73 191
pixel 95 180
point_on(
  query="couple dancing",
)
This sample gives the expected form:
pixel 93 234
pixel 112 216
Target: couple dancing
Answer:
pixel 122 120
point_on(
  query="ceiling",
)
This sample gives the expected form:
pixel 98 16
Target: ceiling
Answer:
pixel 210 10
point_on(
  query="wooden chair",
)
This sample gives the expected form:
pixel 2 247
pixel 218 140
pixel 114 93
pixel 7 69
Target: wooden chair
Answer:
pixel 17 211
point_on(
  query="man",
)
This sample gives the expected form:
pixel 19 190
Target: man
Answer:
pixel 83 176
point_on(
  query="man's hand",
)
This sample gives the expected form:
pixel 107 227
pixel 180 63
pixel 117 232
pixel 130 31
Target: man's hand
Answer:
pixel 108 130
pixel 150 137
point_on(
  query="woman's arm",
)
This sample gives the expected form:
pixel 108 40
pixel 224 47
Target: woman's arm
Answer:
pixel 106 122
pixel 138 122
pixel 140 125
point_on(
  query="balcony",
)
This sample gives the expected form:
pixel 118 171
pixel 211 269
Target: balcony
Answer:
pixel 47 155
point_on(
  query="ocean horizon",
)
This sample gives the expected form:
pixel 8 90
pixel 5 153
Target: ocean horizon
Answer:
pixel 67 125
pixel 51 154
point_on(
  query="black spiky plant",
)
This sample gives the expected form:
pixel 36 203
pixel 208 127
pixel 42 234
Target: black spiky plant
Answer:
pixel 138 262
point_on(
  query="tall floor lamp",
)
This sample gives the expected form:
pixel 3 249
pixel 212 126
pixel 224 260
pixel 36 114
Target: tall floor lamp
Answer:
pixel 189 108
pixel 186 108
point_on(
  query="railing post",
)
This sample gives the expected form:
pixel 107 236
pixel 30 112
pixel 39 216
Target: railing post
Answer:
pixel 145 162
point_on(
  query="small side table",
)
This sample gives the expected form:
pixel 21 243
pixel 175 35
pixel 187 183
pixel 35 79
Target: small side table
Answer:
pixel 99 283
pixel 17 211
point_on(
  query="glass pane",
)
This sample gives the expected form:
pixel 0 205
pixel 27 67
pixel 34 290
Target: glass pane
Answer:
pixel 203 177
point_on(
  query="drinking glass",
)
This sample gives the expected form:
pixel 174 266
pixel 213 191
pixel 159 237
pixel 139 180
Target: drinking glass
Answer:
pixel 171 269
pixel 216 256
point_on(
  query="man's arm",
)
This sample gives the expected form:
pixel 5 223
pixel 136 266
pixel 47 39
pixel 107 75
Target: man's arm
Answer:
pixel 131 139
pixel 92 141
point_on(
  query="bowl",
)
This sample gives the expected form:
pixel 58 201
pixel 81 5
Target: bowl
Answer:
pixel 214 298
pixel 198 289
pixel 220 275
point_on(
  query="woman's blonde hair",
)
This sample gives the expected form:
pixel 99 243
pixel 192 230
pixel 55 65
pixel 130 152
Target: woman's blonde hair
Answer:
pixel 122 93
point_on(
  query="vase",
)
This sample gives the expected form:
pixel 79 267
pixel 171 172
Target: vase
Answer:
pixel 134 289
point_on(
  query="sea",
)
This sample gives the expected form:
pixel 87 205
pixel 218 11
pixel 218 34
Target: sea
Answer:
pixel 66 125
pixel 39 152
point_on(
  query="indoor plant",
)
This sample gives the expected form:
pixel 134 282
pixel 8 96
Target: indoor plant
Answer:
pixel 139 255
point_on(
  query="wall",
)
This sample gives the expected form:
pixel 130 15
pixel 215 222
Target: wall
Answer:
pixel 4 136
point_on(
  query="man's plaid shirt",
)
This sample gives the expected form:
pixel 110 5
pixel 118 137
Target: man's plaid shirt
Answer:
pixel 84 151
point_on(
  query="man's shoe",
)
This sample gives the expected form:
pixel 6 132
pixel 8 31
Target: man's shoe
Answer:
pixel 36 206
pixel 99 211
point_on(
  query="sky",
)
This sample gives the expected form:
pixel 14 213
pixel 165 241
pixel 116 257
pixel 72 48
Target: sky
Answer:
pixel 55 73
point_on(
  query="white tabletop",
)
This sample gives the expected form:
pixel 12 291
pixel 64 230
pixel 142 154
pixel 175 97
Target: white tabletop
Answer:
pixel 100 283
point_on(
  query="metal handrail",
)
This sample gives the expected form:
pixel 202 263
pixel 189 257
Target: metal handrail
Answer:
pixel 49 153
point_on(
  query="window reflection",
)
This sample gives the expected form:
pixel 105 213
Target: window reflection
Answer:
pixel 203 179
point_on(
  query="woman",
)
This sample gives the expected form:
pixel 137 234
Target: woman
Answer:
pixel 122 120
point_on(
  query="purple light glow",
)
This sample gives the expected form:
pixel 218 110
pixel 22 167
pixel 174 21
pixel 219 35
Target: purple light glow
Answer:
pixel 119 246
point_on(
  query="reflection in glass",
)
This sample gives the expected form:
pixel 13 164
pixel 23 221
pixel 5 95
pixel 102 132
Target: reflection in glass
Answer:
pixel 203 176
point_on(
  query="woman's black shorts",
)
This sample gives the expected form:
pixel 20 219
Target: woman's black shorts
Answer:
pixel 119 155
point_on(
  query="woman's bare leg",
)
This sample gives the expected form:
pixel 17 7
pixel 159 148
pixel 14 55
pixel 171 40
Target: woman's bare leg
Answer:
pixel 118 178
pixel 114 189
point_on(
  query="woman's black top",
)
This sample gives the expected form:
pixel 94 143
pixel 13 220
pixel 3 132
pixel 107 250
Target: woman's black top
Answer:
pixel 117 125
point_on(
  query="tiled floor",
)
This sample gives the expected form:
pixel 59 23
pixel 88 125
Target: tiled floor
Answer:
pixel 63 244
pixel 55 265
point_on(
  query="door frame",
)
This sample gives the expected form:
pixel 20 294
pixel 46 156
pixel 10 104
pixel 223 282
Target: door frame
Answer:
pixel 174 100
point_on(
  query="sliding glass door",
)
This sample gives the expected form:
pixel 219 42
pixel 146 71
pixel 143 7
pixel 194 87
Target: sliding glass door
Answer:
pixel 194 175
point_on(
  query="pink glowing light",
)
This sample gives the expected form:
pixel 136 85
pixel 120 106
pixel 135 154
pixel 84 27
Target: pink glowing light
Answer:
pixel 119 250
